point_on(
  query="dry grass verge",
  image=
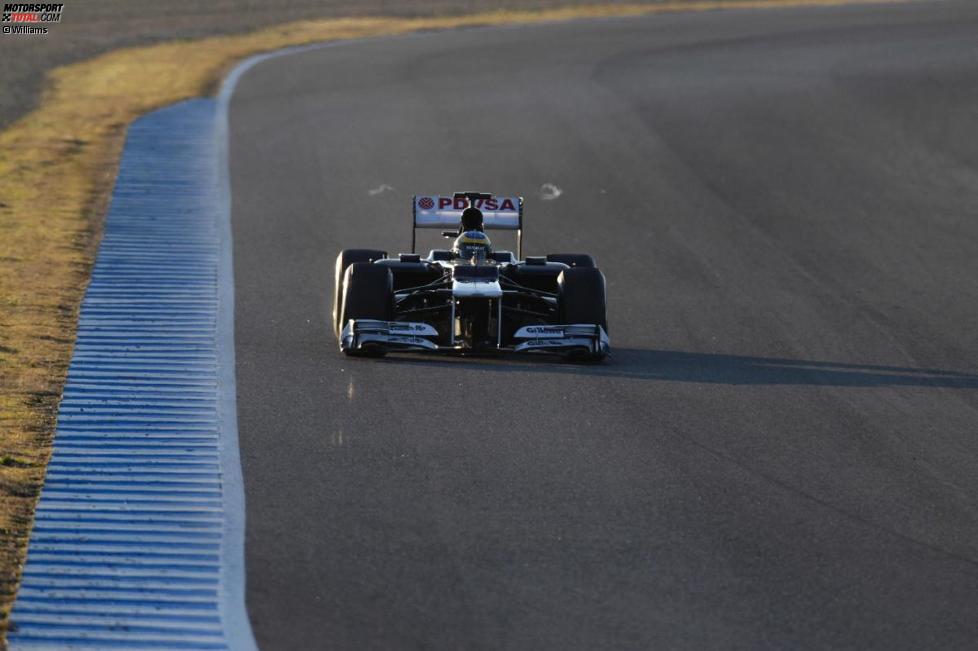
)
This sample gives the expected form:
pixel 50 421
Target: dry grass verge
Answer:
pixel 56 173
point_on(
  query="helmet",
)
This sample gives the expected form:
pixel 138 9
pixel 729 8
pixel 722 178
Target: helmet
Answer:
pixel 472 244
pixel 471 220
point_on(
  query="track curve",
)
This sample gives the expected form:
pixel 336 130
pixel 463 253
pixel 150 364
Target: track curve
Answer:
pixel 782 450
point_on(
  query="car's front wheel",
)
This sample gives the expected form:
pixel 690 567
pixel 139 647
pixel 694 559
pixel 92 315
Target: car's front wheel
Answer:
pixel 368 293
pixel 343 261
pixel 582 298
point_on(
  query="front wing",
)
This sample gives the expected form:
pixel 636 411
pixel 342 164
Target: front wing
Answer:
pixel 364 335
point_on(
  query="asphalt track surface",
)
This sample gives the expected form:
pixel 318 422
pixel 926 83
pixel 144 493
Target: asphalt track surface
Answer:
pixel 782 451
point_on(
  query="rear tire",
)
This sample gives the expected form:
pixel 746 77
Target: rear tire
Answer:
pixel 575 260
pixel 368 293
pixel 344 260
pixel 582 298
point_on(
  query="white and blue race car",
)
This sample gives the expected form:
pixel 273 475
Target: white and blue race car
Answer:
pixel 470 298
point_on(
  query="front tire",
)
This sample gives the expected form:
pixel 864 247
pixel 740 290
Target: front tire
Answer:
pixel 344 260
pixel 582 298
pixel 368 293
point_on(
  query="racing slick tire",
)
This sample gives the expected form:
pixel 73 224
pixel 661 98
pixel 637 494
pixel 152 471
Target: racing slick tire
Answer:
pixel 344 260
pixel 368 293
pixel 572 259
pixel 582 298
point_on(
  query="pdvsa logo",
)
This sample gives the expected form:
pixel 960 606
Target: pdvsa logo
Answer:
pixel 461 203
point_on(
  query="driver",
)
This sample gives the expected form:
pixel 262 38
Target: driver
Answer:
pixel 472 245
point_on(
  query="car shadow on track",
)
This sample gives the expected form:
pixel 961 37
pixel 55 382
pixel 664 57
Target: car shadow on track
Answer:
pixel 711 368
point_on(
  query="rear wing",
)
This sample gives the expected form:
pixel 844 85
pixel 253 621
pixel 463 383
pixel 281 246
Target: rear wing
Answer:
pixel 498 213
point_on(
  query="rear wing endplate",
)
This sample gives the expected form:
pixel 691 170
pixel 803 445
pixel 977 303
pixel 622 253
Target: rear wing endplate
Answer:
pixel 445 212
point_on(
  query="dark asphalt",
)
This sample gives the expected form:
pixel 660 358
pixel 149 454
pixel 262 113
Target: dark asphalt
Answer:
pixel 783 450
pixel 89 28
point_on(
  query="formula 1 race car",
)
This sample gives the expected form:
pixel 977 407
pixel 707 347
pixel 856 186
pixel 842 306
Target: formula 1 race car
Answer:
pixel 470 298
